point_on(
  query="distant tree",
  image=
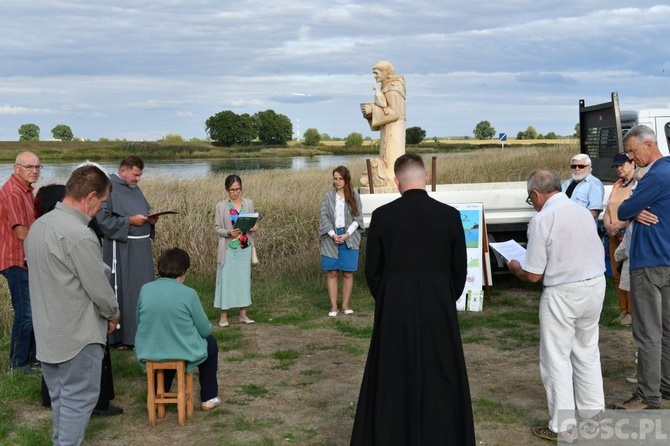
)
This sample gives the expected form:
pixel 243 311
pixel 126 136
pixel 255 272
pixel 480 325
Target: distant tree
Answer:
pixel 273 128
pixel 172 137
pixel 311 137
pixel 483 130
pixel 519 135
pixel 62 132
pixel 103 139
pixel 368 138
pixel 529 133
pixel 325 137
pixel 414 135
pixel 551 135
pixel 354 139
pixel 228 128
pixel 29 132
pixel 578 133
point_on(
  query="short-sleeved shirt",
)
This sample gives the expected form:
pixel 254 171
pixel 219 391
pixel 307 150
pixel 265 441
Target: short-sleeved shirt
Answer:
pixel 589 193
pixel 563 244
pixel 17 208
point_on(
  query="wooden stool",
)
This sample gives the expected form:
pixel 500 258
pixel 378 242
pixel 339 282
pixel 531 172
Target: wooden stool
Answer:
pixel 157 397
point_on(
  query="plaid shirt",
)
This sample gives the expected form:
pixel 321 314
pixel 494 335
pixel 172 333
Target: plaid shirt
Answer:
pixel 17 208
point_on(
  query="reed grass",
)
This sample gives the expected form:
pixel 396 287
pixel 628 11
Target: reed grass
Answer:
pixel 288 202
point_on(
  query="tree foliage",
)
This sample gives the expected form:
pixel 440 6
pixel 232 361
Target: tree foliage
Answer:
pixel 414 135
pixel 172 137
pixel 529 133
pixel 311 137
pixel 577 133
pixel 483 130
pixel 62 132
pixel 228 128
pixel 273 128
pixel 354 139
pixel 29 132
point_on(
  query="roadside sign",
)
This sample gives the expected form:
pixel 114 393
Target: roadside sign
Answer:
pixel 502 137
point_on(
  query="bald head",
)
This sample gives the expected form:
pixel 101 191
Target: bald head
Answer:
pixel 27 167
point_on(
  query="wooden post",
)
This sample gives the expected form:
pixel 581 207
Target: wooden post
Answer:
pixel 369 166
pixel 433 174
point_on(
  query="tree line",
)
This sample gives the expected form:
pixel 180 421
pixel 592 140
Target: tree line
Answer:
pixel 484 130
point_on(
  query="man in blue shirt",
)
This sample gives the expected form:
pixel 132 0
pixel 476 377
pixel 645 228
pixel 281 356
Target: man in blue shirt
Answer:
pixel 584 188
pixel 649 269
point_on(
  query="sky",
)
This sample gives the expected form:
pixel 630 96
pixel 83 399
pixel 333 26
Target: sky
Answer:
pixel 143 69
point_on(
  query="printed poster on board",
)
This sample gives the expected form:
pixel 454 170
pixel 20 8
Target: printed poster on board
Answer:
pixel 472 298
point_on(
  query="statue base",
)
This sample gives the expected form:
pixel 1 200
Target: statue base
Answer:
pixel 379 190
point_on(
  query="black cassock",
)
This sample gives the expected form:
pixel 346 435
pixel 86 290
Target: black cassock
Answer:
pixel 415 387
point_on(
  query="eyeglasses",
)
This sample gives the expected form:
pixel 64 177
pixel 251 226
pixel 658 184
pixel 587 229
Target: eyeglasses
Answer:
pixel 529 200
pixel 234 191
pixel 578 166
pixel 31 166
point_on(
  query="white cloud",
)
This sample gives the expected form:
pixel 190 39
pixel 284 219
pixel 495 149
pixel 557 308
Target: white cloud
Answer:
pixel 142 68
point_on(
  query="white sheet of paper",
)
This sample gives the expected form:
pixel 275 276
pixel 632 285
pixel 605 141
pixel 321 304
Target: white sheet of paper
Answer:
pixel 510 250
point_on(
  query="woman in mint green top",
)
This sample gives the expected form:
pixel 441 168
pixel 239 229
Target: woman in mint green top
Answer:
pixel 171 325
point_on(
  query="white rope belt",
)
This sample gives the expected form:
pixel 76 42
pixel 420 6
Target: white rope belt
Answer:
pixel 116 282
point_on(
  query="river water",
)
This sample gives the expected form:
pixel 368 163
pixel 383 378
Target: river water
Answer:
pixel 194 168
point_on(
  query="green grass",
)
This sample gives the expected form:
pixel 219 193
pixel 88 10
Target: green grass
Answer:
pixel 253 390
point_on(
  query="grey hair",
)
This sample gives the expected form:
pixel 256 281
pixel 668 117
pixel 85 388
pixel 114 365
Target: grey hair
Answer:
pixel 92 163
pixel 544 181
pixel 641 133
pixel 582 157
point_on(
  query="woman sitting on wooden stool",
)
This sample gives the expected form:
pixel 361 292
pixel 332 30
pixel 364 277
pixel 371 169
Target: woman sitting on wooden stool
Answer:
pixel 172 325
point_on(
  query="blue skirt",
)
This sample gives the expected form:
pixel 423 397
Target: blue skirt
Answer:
pixel 347 258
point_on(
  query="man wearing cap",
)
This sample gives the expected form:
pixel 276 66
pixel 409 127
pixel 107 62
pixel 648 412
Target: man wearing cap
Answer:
pixel 584 188
pixel 649 262
pixel 17 214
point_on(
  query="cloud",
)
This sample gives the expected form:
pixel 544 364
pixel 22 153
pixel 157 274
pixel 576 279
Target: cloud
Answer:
pixel 144 68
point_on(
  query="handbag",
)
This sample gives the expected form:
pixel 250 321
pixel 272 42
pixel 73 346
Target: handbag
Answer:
pixel 254 256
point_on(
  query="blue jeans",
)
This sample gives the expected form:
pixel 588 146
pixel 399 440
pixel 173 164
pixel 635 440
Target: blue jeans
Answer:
pixel 22 349
pixel 209 384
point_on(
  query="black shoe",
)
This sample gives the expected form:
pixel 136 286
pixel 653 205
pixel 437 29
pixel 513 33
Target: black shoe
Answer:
pixel 665 394
pixel 110 411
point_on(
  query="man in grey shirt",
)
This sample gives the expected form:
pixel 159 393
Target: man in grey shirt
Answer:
pixel 74 306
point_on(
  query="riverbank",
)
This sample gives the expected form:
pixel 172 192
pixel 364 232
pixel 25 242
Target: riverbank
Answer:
pixel 162 150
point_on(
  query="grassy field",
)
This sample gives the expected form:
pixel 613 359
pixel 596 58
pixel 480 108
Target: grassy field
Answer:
pixel 293 377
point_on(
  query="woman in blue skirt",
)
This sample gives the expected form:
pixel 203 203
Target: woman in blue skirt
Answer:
pixel 340 229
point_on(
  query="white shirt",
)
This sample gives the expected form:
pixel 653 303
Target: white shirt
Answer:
pixel 562 243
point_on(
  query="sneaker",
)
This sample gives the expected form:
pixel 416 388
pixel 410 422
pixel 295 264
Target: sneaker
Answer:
pixel 332 313
pixel 632 378
pixel 635 403
pixel 211 404
pixel 348 311
pixel 626 320
pixel 547 434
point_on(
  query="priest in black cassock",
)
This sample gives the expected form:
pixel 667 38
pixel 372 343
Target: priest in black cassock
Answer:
pixel 415 387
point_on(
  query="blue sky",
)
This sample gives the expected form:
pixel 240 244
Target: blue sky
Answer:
pixel 141 69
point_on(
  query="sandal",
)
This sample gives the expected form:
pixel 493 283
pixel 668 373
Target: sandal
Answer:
pixel 332 313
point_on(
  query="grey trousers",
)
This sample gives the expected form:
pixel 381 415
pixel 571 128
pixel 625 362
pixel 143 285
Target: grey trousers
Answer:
pixel 74 386
pixel 650 299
